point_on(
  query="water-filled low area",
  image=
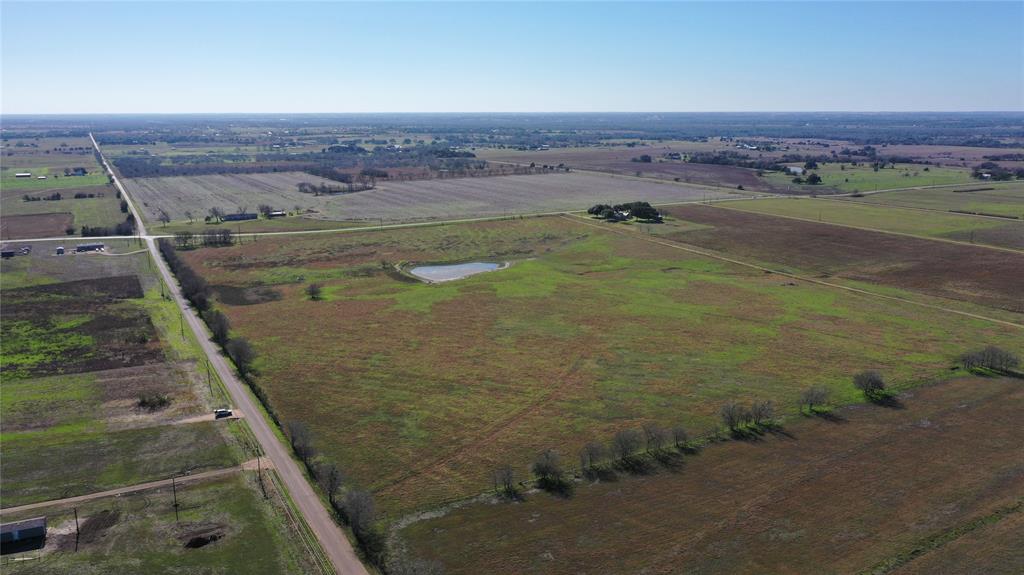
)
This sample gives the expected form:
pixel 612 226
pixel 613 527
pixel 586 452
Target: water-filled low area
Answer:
pixel 452 272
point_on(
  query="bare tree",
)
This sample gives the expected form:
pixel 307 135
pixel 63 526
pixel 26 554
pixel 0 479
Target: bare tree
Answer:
pixel 504 480
pixel 548 467
pixel 314 291
pixel 216 213
pixel 734 415
pixel 814 396
pixel 164 217
pixel 242 354
pixel 592 454
pixel 762 412
pixel 360 511
pixel 188 214
pixel 991 357
pixel 871 383
pixel 679 436
pixel 625 443
pixel 330 479
pixel 655 436
pixel 301 439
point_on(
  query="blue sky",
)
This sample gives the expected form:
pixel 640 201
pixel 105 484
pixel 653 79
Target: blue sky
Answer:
pixel 126 57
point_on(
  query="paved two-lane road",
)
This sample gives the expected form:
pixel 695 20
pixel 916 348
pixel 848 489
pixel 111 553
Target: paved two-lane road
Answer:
pixel 332 539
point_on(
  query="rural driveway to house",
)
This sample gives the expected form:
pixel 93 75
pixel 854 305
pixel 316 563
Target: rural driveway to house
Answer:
pixel 332 539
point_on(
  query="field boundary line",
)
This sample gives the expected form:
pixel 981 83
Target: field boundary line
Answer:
pixel 178 479
pixel 850 289
pixel 876 230
pixel 1008 220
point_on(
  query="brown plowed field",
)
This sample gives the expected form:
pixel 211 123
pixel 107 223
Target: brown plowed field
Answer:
pixel 826 497
pixel 975 274
pixel 35 225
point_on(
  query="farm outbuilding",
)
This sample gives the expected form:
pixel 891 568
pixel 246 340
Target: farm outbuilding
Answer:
pixel 23 175
pixel 89 247
pixel 23 535
pixel 238 217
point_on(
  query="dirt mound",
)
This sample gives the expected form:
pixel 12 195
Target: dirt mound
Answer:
pixel 95 526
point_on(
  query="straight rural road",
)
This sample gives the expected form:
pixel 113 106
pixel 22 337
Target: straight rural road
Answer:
pixel 333 541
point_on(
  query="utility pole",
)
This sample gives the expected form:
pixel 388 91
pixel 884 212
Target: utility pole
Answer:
pixel 259 475
pixel 76 530
pixel 208 382
pixel 174 490
pixel 181 324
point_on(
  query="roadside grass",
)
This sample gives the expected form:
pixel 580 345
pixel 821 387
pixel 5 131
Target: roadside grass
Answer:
pixel 863 178
pixel 423 389
pixel 142 535
pixel 1002 199
pixel 81 458
pixel 891 219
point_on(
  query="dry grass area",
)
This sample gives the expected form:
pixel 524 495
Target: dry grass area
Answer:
pixel 858 494
pixel 960 272
pixel 35 225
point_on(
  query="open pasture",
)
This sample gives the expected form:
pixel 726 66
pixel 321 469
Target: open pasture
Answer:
pixel 894 219
pixel 104 209
pixel 863 177
pixel 1002 199
pixel 960 272
pixel 422 390
pixel 807 501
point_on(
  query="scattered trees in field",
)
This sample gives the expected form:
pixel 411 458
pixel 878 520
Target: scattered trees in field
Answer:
pixel 505 481
pixel 872 384
pixel 164 217
pixel 548 469
pixel 762 412
pixel 314 291
pixel 655 436
pixel 815 398
pixel 680 437
pixel 734 415
pixel 991 358
pixel 626 443
pixel 592 455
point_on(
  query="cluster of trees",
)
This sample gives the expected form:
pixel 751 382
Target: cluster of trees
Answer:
pixel 353 506
pixel 326 190
pixel 643 159
pixel 811 179
pixel 84 195
pixel 125 228
pixel 990 358
pixel 996 172
pixel 621 212
pixel 207 238
pixel 741 420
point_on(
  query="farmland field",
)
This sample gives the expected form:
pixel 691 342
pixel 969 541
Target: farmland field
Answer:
pixel 102 210
pixel 980 275
pixel 893 219
pixel 138 533
pixel 585 334
pixel 197 194
pixel 84 338
pixel 861 178
pixel 401 201
pixel 840 497
pixel 996 199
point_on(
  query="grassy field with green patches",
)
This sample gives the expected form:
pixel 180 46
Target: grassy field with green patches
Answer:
pixel 892 219
pixel 138 533
pixel 55 179
pixel 422 390
pixel 863 178
pixel 997 199
pixel 96 211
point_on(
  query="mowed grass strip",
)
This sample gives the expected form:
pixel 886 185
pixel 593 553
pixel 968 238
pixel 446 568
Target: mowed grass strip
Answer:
pixel 893 219
pixel 421 390
pixel 837 497
pixel 1001 199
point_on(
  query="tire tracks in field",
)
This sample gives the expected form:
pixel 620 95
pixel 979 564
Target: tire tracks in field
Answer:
pixel 489 434
pixel 704 253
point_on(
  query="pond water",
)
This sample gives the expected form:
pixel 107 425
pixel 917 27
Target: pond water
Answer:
pixel 452 272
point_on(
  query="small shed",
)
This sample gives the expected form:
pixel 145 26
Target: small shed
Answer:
pixel 23 175
pixel 277 214
pixel 23 535
pixel 60 250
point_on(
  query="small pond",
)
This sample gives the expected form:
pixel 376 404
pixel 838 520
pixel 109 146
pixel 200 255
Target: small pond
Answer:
pixel 453 271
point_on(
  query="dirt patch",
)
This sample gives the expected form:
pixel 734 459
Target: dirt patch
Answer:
pixel 200 535
pixel 974 274
pixel 95 526
pixel 35 225
pixel 234 295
